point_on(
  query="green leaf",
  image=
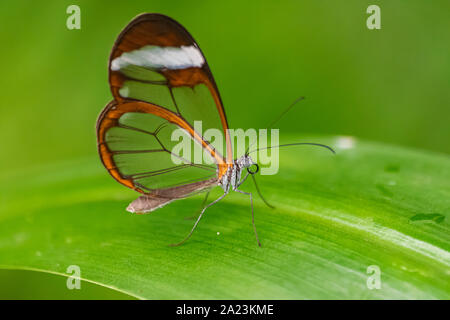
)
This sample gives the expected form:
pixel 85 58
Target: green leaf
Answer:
pixel 369 205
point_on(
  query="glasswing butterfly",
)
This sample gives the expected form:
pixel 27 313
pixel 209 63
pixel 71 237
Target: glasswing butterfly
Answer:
pixel 161 82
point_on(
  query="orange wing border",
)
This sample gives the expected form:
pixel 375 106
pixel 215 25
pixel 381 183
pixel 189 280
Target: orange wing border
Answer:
pixel 131 38
pixel 109 118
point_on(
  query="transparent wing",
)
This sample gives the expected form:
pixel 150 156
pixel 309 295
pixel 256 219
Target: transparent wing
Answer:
pixel 157 61
pixel 161 83
pixel 138 148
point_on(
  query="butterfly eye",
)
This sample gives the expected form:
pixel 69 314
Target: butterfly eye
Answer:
pixel 255 170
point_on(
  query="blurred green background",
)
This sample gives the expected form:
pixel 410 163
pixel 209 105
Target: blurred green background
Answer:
pixel 389 85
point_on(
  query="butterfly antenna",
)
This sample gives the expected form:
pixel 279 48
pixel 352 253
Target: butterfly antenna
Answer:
pixel 281 115
pixel 260 194
pixel 284 112
pixel 296 144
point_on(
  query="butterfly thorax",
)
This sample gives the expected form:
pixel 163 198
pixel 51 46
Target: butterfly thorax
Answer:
pixel 231 179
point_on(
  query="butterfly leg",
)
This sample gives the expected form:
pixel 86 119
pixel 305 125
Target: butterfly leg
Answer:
pixel 243 180
pixel 201 207
pixel 198 220
pixel 260 194
pixel 257 189
pixel 253 215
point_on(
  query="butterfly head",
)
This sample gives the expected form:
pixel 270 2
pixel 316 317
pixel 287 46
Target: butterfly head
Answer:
pixel 247 162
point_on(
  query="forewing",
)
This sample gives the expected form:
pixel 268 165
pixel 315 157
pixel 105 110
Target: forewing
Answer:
pixel 156 60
